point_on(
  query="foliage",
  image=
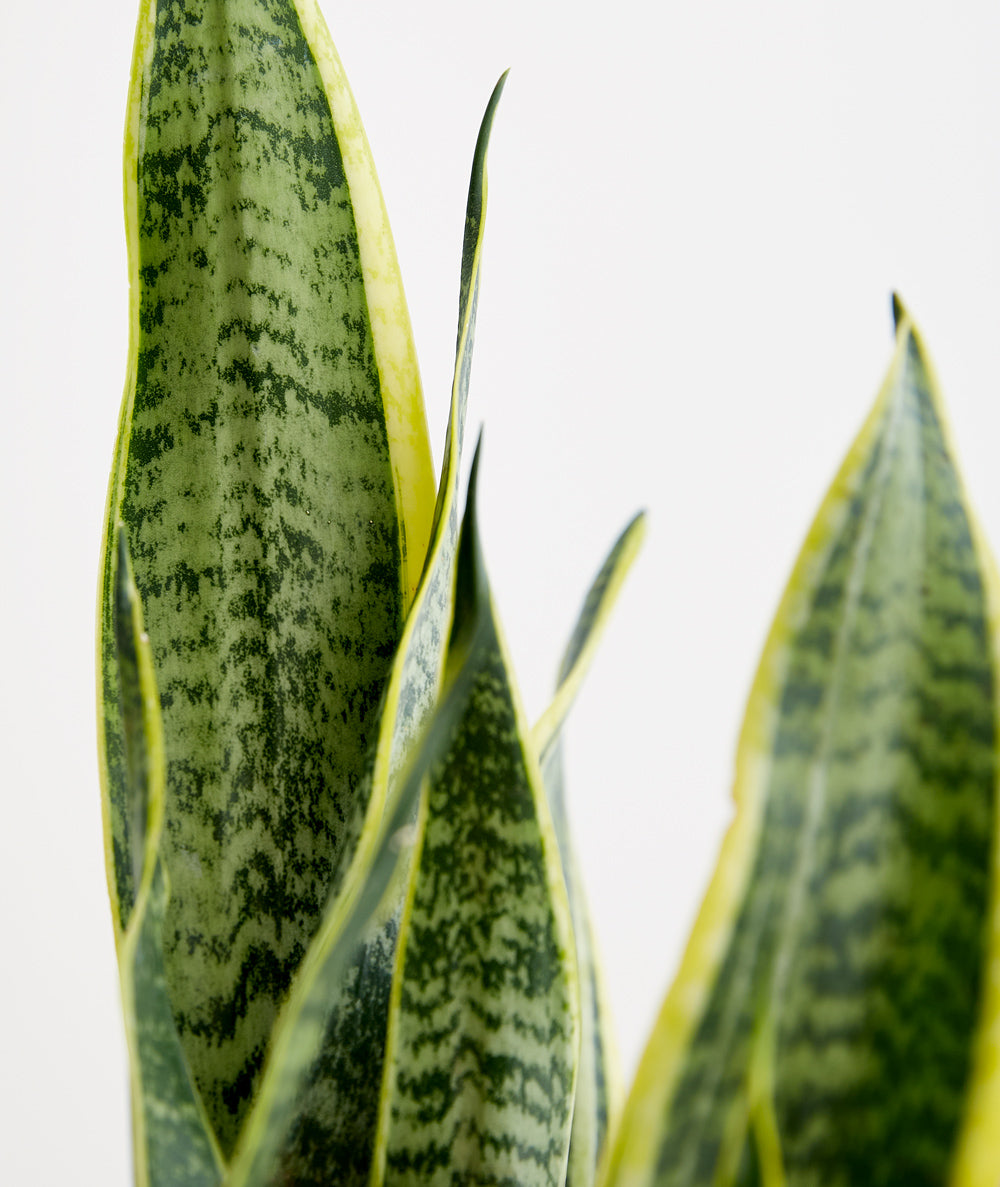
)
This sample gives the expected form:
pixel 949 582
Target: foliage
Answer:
pixel 353 941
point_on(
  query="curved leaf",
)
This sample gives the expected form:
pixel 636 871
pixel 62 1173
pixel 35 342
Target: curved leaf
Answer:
pixel 587 631
pixel 484 1025
pixel 825 1026
pixel 598 1089
pixel 317 1107
pixel 395 354
pixel 271 403
pixel 173 1144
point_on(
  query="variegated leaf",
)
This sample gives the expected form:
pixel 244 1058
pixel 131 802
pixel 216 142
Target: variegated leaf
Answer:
pixel 173 1143
pixel 317 1107
pixel 484 1025
pixel 834 1021
pixel 271 406
pixel 598 1090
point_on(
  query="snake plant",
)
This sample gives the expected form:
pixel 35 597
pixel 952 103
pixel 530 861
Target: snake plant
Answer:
pixel 353 940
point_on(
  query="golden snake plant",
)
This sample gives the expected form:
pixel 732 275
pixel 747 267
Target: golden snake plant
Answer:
pixel 353 943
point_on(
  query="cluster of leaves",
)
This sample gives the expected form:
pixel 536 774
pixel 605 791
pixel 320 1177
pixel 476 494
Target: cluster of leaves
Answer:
pixel 352 937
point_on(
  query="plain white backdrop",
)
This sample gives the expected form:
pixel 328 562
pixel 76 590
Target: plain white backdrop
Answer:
pixel 697 214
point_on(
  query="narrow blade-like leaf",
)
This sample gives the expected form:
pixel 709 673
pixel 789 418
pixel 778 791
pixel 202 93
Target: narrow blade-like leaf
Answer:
pixel 173 1144
pixel 317 1108
pixel 271 406
pixel 587 631
pixel 598 1089
pixel 826 1026
pixel 484 1022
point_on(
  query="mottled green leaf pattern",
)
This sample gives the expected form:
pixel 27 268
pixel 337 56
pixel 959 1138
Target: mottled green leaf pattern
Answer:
pixel 829 1041
pixel 255 485
pixel 305 1086
pixel 174 1146
pixel 319 1109
pixel 353 941
pixel 484 1029
pixel 327 1071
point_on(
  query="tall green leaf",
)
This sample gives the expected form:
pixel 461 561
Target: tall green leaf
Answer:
pixel 597 1103
pixel 834 1019
pixel 173 1145
pixel 484 1020
pixel 270 407
pixel 317 1107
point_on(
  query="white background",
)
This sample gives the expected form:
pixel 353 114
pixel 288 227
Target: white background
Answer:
pixel 697 213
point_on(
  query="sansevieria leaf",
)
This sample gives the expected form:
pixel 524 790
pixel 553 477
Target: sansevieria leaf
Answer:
pixel 173 1143
pixel 484 1018
pixel 597 1102
pixel 273 479
pixel 835 1018
pixel 317 1108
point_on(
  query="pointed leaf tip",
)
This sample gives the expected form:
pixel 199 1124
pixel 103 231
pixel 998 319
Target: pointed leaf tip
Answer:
pixel 486 127
pixel 899 311
pixel 474 473
pixel 477 186
pixel 796 985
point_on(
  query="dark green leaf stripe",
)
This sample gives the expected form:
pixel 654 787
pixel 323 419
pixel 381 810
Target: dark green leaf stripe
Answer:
pixel 831 1042
pixel 254 480
pixel 326 1070
pixel 173 1144
pixel 597 1092
pixel 484 1023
